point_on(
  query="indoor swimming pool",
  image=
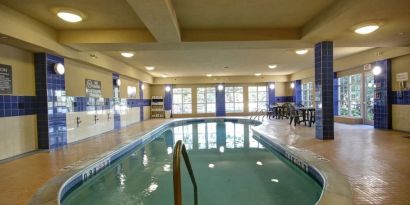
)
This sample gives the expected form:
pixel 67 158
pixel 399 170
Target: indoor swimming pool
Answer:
pixel 231 166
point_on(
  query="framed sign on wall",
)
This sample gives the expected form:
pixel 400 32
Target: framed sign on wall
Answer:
pixel 93 88
pixel 6 80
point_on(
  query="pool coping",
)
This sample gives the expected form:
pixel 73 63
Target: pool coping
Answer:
pixel 336 189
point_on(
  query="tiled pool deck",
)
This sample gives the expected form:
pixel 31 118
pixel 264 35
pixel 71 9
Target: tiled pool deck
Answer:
pixel 374 161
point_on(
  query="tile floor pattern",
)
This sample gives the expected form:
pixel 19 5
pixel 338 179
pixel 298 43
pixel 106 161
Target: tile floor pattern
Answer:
pixel 375 161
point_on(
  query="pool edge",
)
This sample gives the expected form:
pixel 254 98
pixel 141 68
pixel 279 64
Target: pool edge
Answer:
pixel 336 189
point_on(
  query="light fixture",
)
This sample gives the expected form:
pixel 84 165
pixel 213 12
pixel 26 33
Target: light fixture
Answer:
pixel 208 75
pixel 366 29
pixel 272 86
pixel 117 82
pixel 220 87
pixel 377 70
pixel 127 54
pixel 164 75
pixel 292 85
pixel 301 51
pixel 211 166
pixel 169 150
pixel 272 66
pixel 59 69
pixel 274 180
pixel 167 88
pixel 259 163
pixel 70 15
pixel 142 86
pixel 258 74
pixel 149 67
pixel 221 149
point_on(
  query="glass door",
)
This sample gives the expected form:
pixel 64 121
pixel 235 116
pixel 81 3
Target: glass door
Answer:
pixel 368 115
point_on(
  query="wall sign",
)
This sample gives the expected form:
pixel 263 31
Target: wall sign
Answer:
pixel 93 88
pixel 6 80
pixel 402 76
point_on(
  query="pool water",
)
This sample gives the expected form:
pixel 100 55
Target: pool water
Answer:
pixel 230 167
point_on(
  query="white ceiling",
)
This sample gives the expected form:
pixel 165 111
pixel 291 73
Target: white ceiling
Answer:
pixel 195 37
pixel 198 62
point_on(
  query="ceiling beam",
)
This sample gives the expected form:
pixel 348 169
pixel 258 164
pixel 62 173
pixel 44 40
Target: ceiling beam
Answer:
pixel 105 36
pixel 159 17
pixel 257 34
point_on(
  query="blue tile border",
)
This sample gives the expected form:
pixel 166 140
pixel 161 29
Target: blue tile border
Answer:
pixel 401 97
pixel 383 96
pixel 297 92
pixel 271 93
pixel 283 99
pixel 11 105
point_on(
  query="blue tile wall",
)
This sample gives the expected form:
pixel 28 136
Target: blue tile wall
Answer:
pixel 335 94
pixel 168 99
pixel 383 96
pixel 116 102
pixel 138 102
pixel 140 85
pixel 283 99
pixel 271 93
pixel 16 105
pixel 220 101
pixel 401 97
pixel 324 90
pixel 297 92
pixel 50 103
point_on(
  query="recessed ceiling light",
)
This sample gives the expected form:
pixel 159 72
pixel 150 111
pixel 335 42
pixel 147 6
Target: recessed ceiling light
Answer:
pixel 363 30
pixel 258 74
pixel 208 75
pixel 127 54
pixel 301 51
pixel 272 66
pixel 377 70
pixel 149 67
pixel 69 15
pixel 164 75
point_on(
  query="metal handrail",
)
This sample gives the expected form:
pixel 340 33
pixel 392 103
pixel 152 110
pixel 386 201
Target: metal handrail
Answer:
pixel 178 150
pixel 259 113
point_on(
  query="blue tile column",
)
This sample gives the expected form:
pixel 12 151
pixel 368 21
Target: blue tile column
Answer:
pixel 297 92
pixel 271 93
pixel 324 90
pixel 50 103
pixel 116 101
pixel 168 98
pixel 383 96
pixel 140 83
pixel 335 94
pixel 220 101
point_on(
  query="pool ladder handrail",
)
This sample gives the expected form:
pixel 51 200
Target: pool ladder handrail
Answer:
pixel 179 150
pixel 262 112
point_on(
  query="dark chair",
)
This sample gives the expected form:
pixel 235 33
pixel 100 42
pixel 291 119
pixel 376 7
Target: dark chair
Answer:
pixel 294 115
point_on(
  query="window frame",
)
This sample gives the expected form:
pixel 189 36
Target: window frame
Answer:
pixel 235 103
pixel 183 100
pixel 307 94
pixel 206 102
pixel 259 104
pixel 346 91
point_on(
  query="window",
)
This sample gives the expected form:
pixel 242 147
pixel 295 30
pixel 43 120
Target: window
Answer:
pixel 205 100
pixel 307 94
pixel 182 100
pixel 257 98
pixel 234 99
pixel 350 95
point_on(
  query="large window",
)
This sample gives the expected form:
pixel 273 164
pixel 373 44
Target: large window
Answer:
pixel 307 94
pixel 234 99
pixel 257 98
pixel 182 100
pixel 350 95
pixel 205 100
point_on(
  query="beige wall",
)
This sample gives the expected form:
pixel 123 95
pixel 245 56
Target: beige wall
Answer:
pixel 75 76
pixel 125 82
pixel 283 89
pixel 157 90
pixel 22 63
pixel 18 135
pixel 400 113
pixel 399 65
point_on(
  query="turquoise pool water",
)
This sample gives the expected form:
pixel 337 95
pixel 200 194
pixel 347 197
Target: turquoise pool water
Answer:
pixel 230 166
